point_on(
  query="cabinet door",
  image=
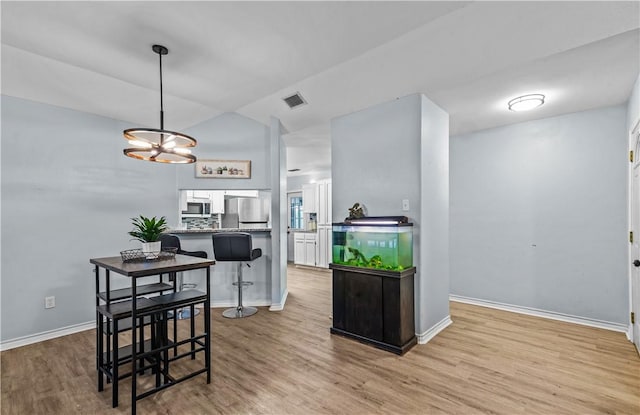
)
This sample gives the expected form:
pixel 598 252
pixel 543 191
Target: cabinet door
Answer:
pixel 201 194
pixel 242 193
pixel 322 247
pixel 322 203
pixel 298 252
pixel 363 305
pixel 183 201
pixel 217 201
pixel 310 252
pixel 329 204
pixel 329 246
pixel 309 204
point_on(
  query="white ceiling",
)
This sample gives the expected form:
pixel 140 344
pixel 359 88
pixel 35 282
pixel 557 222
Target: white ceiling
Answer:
pixel 468 57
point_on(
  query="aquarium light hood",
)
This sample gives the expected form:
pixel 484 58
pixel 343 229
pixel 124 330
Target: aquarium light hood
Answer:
pixel 378 220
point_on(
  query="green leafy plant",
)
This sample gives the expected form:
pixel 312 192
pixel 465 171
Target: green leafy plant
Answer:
pixel 148 230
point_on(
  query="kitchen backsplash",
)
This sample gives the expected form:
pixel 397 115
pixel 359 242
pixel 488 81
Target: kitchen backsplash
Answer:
pixel 200 223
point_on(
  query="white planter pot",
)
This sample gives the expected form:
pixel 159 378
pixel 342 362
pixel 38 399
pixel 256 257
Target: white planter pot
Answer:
pixel 151 249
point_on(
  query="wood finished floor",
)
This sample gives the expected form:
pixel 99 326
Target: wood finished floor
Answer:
pixel 487 361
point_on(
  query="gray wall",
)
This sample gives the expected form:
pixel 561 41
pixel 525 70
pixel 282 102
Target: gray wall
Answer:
pixel 633 106
pixel 294 183
pixel 230 136
pixel 539 215
pixel 278 170
pixel 380 156
pixel 68 194
pixel 433 287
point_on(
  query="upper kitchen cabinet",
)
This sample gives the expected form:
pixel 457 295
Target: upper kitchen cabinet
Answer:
pixel 201 194
pixel 213 198
pixel 309 200
pixel 217 201
pixel 183 200
pixel 241 193
pixel 325 239
pixel 324 202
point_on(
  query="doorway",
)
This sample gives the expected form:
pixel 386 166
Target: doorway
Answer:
pixel 294 220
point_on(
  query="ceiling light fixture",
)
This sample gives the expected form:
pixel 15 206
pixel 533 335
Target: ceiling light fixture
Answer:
pixel 526 102
pixel 161 145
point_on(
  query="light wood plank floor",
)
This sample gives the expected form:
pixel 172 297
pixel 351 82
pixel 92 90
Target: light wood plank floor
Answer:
pixel 487 361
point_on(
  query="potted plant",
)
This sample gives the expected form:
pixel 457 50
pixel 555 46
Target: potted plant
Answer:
pixel 147 231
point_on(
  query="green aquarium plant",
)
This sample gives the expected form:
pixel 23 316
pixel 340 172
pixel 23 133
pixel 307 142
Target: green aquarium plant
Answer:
pixel 359 260
pixel 148 229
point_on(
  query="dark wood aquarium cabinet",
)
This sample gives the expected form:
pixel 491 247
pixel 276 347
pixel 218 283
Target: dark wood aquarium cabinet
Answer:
pixel 374 306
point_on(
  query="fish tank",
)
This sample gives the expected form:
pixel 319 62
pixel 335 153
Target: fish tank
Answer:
pixel 383 243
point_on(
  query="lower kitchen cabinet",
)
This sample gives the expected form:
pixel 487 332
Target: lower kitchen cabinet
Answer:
pixel 304 248
pixel 323 246
pixel 374 306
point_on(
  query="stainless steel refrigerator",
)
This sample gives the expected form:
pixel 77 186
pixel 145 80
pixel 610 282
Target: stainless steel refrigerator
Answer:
pixel 246 213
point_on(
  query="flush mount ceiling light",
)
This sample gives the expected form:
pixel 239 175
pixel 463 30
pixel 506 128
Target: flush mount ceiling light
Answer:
pixel 159 145
pixel 526 102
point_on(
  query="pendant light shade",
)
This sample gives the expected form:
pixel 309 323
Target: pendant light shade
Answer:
pixel 159 145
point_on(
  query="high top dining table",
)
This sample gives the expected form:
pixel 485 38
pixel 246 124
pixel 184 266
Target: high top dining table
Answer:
pixel 113 305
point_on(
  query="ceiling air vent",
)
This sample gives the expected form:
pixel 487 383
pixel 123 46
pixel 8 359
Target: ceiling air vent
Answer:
pixel 294 100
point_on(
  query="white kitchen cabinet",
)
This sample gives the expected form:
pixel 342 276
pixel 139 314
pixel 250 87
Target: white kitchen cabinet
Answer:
pixel 323 246
pixel 201 194
pixel 304 252
pixel 298 249
pixel 183 200
pixel 310 249
pixel 325 238
pixel 324 202
pixel 241 193
pixel 217 201
pixel 309 200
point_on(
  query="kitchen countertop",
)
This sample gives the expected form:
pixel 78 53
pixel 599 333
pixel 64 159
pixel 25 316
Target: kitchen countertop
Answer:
pixel 217 230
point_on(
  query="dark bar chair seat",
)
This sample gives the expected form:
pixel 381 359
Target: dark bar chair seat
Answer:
pixel 172 241
pixel 236 247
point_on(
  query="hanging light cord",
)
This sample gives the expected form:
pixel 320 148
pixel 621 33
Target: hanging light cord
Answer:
pixel 161 103
pixel 159 145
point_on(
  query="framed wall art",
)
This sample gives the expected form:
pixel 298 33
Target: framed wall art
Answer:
pixel 223 169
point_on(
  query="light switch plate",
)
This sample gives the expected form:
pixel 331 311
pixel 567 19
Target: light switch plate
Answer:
pixel 405 205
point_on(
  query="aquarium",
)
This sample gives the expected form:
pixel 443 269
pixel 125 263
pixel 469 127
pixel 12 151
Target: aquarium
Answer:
pixel 370 243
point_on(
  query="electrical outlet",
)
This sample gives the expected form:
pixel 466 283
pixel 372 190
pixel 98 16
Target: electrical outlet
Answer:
pixel 405 205
pixel 49 302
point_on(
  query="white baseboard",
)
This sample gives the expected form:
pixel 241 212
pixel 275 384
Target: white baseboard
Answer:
pixel 252 303
pixel 423 338
pixel 567 318
pixel 76 328
pixel 46 335
pixel 280 306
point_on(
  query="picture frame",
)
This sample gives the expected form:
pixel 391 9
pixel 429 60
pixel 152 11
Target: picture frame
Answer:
pixel 223 169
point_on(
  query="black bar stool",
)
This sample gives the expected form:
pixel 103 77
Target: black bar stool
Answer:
pixel 172 241
pixel 237 247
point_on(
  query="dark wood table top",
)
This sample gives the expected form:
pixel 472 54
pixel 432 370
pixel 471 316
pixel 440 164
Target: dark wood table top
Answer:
pixel 145 268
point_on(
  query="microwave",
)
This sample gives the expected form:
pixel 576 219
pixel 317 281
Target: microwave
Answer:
pixel 197 209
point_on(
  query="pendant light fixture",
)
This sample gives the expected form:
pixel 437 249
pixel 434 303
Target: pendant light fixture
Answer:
pixel 159 145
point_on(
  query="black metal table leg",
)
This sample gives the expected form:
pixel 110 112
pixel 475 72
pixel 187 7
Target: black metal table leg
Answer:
pixel 100 339
pixel 114 366
pixel 207 327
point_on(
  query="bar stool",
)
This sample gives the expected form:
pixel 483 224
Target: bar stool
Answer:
pixel 172 241
pixel 237 247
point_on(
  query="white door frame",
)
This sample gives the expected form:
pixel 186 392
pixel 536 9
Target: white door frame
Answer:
pixel 634 145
